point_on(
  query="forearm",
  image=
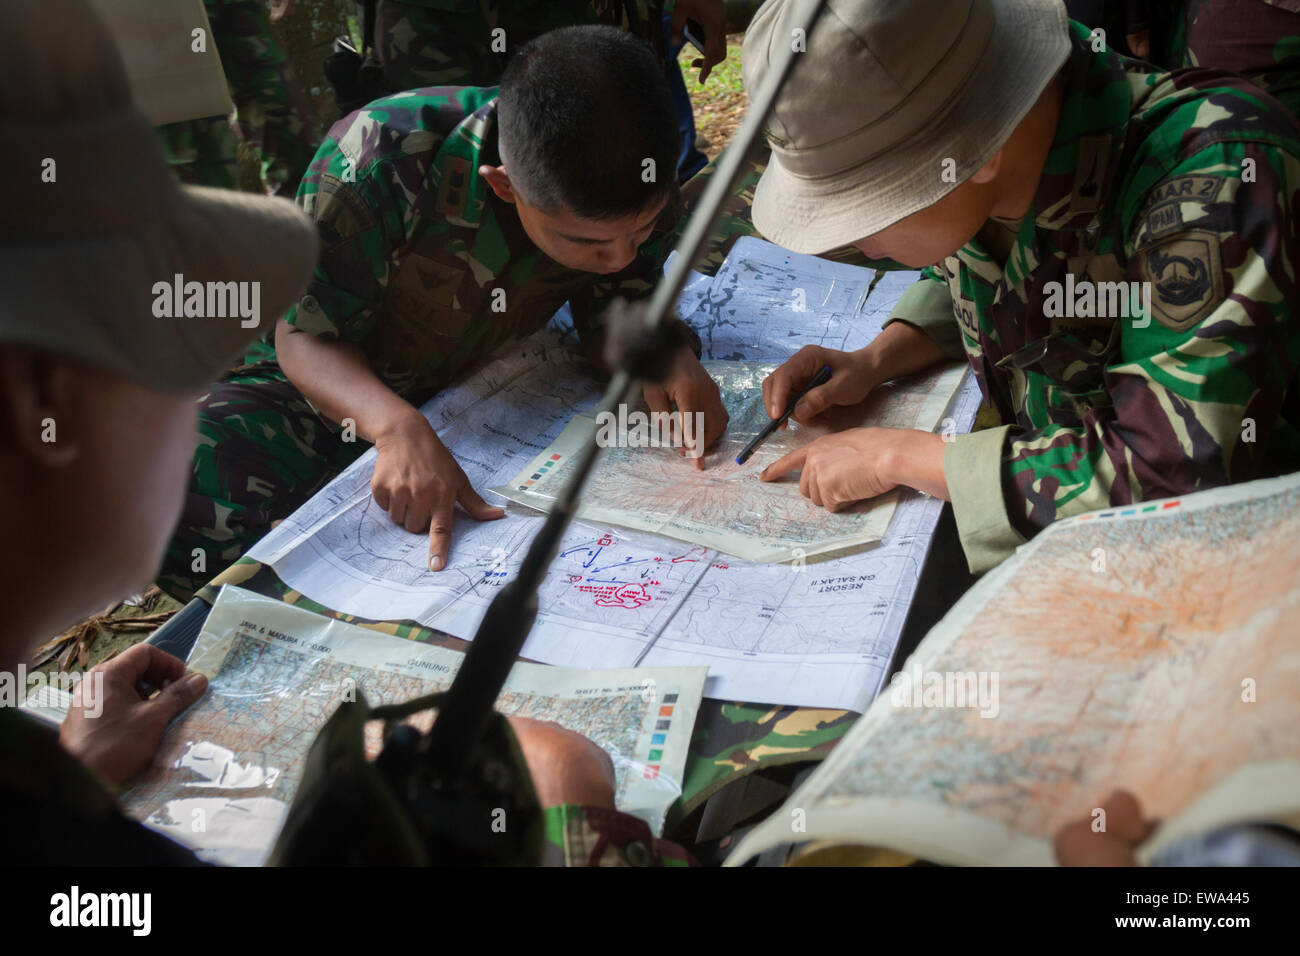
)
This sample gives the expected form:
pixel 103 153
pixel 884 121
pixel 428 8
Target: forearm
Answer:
pixel 900 349
pixel 916 460
pixel 336 378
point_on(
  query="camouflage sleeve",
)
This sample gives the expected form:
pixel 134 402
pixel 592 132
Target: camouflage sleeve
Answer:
pixel 927 307
pixel 594 836
pixel 359 224
pixel 1196 386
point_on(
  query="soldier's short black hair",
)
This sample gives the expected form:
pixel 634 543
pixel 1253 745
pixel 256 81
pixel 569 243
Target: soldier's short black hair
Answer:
pixel 585 116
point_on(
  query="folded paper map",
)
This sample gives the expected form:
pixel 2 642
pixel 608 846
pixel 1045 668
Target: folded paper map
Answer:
pixel 726 507
pixel 227 770
pixel 1151 647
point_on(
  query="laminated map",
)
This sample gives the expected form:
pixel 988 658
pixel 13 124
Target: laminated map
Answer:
pixel 1150 647
pixel 726 507
pixel 225 774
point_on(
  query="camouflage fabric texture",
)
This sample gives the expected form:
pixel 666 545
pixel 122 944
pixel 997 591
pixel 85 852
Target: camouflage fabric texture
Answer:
pixel 468 42
pixel 423 267
pixel 427 272
pixel 262 451
pixel 1188 182
pixel 1260 39
pixel 731 738
pixel 272 112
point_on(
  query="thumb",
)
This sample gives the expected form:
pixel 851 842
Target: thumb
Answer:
pixel 478 509
pixel 175 697
pixel 816 401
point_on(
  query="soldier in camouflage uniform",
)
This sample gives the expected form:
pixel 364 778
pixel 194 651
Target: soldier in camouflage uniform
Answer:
pixel 426 268
pixel 271 109
pixel 1182 185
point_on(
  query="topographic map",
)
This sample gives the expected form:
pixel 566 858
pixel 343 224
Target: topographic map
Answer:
pixel 226 772
pixel 726 506
pixel 808 632
pixel 1151 647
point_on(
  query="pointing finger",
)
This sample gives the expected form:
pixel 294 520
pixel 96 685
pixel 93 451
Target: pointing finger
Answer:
pixel 440 532
pixel 786 464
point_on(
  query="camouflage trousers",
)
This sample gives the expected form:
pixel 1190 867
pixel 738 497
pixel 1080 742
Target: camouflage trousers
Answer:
pixel 272 113
pixel 262 452
pixel 202 152
pixel 467 42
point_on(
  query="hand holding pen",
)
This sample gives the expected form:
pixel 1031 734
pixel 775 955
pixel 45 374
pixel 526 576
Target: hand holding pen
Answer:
pixel 821 378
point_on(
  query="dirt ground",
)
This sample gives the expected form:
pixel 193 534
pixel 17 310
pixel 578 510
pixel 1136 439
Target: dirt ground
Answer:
pixel 720 102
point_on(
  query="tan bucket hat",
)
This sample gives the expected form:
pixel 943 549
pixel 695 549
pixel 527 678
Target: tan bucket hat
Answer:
pixel 93 225
pixel 885 92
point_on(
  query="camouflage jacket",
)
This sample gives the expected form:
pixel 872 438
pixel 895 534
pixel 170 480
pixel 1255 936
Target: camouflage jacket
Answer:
pixel 1189 183
pixel 59 813
pixel 423 267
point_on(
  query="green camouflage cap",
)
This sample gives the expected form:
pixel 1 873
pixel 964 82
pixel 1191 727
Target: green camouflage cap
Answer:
pixel 104 257
pixel 881 95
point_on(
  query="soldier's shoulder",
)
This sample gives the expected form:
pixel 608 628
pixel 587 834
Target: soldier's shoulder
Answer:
pixel 408 128
pixel 1191 132
pixel 1183 112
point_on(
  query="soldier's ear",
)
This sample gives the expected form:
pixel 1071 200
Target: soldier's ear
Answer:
pixel 988 172
pixel 499 182
pixel 39 410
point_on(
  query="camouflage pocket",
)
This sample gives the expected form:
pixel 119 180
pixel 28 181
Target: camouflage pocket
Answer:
pixel 1072 370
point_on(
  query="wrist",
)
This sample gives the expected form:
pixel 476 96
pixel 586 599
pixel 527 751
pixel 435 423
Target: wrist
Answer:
pixel 915 459
pixel 397 421
pixel 867 367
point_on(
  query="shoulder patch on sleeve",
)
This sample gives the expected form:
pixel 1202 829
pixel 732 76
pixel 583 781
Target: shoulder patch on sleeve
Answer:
pixel 1186 278
pixel 346 211
pixel 1163 218
pixel 1192 188
pixel 1163 211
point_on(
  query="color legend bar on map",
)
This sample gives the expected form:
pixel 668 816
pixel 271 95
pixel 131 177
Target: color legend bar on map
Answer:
pixel 660 736
pixel 1126 512
pixel 542 470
